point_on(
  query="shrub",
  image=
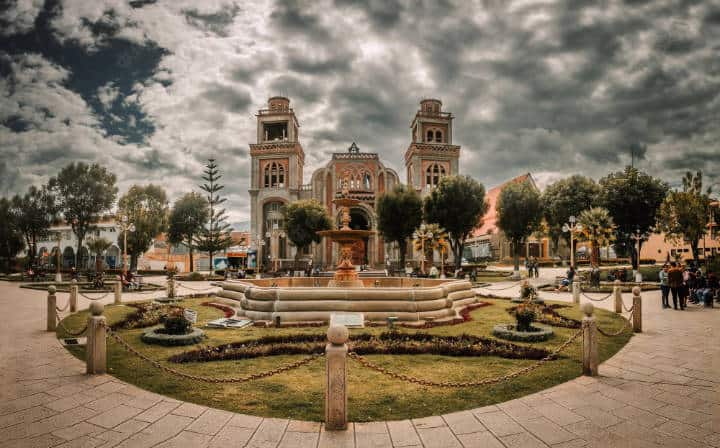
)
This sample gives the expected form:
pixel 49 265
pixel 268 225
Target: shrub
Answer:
pixel 146 315
pixel 525 316
pixel 546 314
pixel 176 324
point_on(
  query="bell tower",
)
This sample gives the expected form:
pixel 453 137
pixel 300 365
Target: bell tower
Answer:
pixel 431 154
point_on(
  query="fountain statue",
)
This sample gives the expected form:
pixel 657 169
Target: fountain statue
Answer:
pixel 345 273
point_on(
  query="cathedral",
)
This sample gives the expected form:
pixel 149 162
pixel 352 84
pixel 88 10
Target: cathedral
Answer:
pixel 277 178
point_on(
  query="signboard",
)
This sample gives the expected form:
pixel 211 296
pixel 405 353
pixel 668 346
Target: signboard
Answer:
pixel 350 320
pixel 220 263
pixel 190 315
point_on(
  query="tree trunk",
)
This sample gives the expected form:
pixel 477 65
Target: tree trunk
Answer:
pixel 516 255
pixel 77 252
pixel 401 248
pixel 695 250
pixel 133 262
pixel 212 270
pixel 192 265
pixel 595 253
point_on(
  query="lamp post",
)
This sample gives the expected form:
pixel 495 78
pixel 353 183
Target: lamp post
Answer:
pixel 126 227
pixel 422 234
pixel 572 227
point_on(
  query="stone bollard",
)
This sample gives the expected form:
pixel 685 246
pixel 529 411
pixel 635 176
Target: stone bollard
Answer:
pixel 96 348
pixel 617 295
pixel 51 309
pixel 74 289
pixel 118 292
pixel 637 310
pixel 590 341
pixel 171 288
pixel 576 291
pixel 336 378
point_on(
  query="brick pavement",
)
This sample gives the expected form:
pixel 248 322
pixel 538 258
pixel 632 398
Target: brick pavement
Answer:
pixel 661 390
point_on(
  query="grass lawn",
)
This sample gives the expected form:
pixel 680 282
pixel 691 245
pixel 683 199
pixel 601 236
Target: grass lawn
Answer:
pixel 299 393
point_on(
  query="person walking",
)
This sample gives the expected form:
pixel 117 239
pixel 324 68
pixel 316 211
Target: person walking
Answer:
pixel 664 286
pixel 536 267
pixel 675 281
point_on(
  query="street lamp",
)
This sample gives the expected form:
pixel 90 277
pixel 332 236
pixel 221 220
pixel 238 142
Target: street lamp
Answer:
pixel 422 234
pixel 126 227
pixel 572 227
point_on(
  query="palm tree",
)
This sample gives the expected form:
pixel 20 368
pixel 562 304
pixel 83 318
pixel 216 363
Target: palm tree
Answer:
pixel 98 246
pixel 598 228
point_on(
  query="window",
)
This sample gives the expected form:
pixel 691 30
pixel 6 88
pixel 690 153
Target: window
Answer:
pixel 275 131
pixel 438 136
pixel 433 174
pixel 367 181
pixel 429 136
pixel 274 175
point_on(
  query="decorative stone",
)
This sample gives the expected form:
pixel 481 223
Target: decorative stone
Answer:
pixel 617 293
pixel 587 309
pixel 118 293
pixel 576 291
pixel 52 289
pixel 338 334
pixel 51 309
pixel 96 345
pixel 96 308
pixel 636 290
pixel 637 311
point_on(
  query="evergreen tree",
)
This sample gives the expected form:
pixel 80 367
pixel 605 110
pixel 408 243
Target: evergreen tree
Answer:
pixel 215 236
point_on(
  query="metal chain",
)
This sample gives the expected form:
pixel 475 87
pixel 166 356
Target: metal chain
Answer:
pixel 205 379
pixel 500 289
pixel 629 310
pixel 63 308
pixel 71 333
pixel 494 380
pixel 622 330
pixel 95 298
pixel 212 288
pixel 595 299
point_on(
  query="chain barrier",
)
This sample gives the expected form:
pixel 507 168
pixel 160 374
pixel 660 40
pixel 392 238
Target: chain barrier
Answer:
pixel 596 299
pixel 205 379
pixel 629 310
pixel 487 381
pixel 63 308
pixel 212 288
pixel 625 326
pixel 95 298
pixel 500 289
pixel 70 333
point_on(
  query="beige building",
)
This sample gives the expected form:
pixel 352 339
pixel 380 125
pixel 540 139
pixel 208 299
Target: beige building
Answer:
pixel 277 178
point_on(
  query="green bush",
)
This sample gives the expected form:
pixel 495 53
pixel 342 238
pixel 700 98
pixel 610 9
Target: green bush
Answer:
pixel 176 325
pixel 525 316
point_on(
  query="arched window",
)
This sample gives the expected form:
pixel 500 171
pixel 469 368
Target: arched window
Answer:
pixel 433 174
pixel 367 182
pixel 438 136
pixel 274 175
pixel 429 136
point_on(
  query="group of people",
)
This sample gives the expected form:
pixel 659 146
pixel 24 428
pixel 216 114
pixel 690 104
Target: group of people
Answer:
pixel 687 284
pixel 129 281
pixel 533 267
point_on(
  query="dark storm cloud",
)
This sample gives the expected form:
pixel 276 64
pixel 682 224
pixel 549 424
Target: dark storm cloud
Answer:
pixel 553 88
pixel 232 99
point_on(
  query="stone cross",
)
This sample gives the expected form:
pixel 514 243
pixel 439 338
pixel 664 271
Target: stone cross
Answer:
pixel 336 378
pixel 96 348
pixel 590 359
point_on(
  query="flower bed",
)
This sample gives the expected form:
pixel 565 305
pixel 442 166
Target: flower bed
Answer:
pixel 509 332
pixel 546 314
pixel 159 336
pixel 147 315
pixel 229 311
pixel 387 343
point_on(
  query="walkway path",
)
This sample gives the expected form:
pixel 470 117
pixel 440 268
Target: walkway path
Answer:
pixel 661 390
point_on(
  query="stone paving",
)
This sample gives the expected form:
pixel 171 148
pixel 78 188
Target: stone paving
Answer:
pixel 661 390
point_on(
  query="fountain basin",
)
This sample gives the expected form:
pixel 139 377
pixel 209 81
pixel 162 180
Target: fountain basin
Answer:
pixel 310 299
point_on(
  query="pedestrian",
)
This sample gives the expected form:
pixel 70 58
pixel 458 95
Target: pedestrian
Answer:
pixel 664 286
pixel 675 281
pixel 536 267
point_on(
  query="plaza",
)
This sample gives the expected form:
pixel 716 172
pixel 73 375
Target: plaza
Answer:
pixel 659 390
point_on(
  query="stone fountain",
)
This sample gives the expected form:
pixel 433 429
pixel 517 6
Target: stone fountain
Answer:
pixel 345 273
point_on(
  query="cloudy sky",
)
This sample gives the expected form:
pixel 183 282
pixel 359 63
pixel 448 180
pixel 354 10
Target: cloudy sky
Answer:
pixel 153 88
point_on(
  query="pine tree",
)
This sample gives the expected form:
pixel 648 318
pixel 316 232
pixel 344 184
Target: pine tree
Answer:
pixel 215 236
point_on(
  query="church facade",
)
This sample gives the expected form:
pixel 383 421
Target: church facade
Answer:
pixel 277 178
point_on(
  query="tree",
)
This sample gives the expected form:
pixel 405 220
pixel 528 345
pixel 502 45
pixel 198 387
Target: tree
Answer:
pixel 303 219
pixel 457 205
pixel 83 193
pixel 633 199
pixel 684 214
pixel 598 228
pixel 399 212
pixel 34 214
pixel 11 238
pixel 565 198
pixel 187 219
pixel 215 235
pixel 147 208
pixel 98 246
pixel 519 214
